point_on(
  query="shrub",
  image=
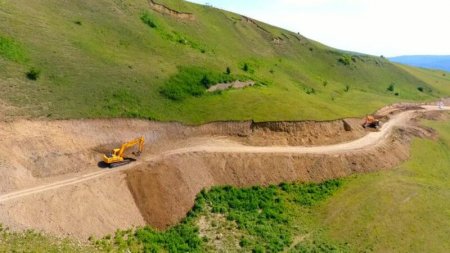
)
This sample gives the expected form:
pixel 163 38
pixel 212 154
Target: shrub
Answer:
pixel 391 87
pixel 205 81
pixel 78 22
pixel 310 91
pixel 420 89
pixel 397 94
pixel 33 74
pixel 347 88
pixel 345 59
pixel 147 19
pixel 325 83
pixel 245 68
pixel 228 71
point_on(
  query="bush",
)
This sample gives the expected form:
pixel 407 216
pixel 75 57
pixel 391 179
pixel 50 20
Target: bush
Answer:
pixel 325 83
pixel 345 59
pixel 347 88
pixel 33 74
pixel 397 94
pixel 205 81
pixel 246 67
pixel 228 71
pixel 420 89
pixel 310 91
pixel 391 87
pixel 147 19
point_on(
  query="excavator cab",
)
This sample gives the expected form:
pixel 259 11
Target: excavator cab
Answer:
pixel 117 155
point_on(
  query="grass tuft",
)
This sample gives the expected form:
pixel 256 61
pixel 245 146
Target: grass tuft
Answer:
pixel 12 50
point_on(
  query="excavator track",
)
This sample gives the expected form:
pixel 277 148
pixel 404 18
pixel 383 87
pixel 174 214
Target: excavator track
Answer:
pixel 122 163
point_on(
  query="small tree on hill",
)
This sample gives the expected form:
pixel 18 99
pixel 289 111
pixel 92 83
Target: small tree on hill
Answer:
pixel 391 87
pixel 246 68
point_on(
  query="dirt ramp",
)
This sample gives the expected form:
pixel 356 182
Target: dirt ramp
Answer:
pixel 165 191
pixel 96 207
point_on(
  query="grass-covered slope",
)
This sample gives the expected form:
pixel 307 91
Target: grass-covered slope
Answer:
pixel 116 58
pixel 403 210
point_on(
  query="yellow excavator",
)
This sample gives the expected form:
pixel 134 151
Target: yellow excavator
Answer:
pixel 372 122
pixel 117 156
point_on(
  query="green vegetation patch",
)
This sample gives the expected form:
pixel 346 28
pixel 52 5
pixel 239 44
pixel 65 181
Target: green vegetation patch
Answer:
pixel 174 36
pixel 11 50
pixel 31 241
pixel 266 221
pixel 148 20
pixel 193 82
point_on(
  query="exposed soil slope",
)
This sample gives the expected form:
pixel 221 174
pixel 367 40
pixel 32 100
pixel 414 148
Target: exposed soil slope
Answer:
pixel 50 178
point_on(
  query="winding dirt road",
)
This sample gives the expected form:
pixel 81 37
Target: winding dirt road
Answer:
pixel 221 145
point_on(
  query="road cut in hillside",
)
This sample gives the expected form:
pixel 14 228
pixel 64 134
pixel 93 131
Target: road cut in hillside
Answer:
pixel 51 180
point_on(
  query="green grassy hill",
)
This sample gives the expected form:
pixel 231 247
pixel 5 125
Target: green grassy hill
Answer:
pixel 121 58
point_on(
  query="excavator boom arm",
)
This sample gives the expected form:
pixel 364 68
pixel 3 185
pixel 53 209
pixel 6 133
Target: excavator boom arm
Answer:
pixel 139 141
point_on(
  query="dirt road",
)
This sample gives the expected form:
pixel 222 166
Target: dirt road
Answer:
pixel 223 145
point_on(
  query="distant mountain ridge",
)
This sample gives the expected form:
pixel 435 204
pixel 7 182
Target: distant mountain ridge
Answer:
pixel 441 62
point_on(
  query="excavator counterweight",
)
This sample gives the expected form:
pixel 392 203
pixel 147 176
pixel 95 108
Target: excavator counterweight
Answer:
pixel 117 156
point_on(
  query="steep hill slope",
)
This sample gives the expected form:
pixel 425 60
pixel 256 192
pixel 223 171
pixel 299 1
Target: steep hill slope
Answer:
pixel 155 59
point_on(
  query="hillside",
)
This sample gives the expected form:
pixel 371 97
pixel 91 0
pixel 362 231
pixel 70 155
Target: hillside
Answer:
pixel 155 60
pixel 440 62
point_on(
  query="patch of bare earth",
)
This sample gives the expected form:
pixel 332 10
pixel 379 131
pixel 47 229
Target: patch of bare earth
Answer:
pixel 231 85
pixel 163 9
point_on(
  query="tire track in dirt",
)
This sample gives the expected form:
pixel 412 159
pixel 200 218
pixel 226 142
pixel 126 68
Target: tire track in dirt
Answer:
pixel 224 146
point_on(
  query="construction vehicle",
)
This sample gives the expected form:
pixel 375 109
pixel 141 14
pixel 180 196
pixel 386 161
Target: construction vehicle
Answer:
pixel 371 122
pixel 117 156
